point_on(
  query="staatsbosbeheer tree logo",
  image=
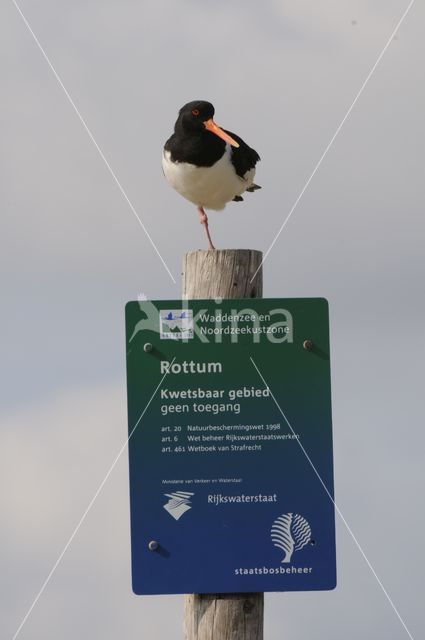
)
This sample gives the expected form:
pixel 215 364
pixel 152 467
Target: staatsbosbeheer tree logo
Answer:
pixel 290 532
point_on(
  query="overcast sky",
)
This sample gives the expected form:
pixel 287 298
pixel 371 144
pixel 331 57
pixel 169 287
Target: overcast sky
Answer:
pixel 282 75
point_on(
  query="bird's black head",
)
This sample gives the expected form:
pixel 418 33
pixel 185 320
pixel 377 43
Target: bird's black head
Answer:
pixel 196 119
pixel 193 115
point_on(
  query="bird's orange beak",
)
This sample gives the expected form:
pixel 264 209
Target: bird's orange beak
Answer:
pixel 211 126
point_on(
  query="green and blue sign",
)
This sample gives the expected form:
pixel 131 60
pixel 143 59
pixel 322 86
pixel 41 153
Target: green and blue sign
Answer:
pixel 230 446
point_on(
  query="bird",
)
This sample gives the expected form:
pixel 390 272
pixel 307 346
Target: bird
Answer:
pixel 207 165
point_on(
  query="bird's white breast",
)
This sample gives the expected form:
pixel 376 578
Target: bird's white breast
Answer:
pixel 209 187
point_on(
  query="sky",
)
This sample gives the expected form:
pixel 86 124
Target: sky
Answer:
pixel 283 76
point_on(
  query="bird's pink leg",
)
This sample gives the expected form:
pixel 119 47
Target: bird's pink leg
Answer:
pixel 203 219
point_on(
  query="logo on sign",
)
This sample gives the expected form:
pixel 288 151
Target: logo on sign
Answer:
pixel 290 532
pixel 178 503
pixel 176 324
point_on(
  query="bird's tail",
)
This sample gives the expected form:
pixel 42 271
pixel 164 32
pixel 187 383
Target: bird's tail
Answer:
pixel 253 187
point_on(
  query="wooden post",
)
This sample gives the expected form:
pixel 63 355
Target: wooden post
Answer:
pixel 208 275
pixel 222 274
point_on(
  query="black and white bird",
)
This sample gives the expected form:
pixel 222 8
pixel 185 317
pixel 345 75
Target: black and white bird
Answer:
pixel 207 165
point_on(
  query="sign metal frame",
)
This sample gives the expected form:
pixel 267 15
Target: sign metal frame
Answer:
pixel 229 409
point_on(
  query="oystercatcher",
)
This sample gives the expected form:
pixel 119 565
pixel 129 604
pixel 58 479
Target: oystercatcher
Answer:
pixel 207 165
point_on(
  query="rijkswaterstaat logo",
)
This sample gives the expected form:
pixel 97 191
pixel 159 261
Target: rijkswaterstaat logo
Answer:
pixel 178 503
pixel 176 324
pixel 290 532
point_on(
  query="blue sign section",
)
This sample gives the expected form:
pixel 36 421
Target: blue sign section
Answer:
pixel 230 446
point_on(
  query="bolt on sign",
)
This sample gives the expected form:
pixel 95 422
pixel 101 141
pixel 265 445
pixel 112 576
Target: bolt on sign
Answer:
pixel 230 446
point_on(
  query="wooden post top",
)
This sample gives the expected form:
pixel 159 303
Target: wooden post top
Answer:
pixel 223 273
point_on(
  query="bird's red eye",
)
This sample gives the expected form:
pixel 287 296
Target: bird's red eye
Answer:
pixel 195 112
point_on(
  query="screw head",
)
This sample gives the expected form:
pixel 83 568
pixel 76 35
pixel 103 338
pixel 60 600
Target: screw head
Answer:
pixel 147 347
pixel 153 545
pixel 308 345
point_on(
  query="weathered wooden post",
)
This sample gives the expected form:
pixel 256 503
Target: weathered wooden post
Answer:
pixel 207 275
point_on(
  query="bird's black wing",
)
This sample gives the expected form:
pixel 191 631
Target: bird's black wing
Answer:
pixel 243 157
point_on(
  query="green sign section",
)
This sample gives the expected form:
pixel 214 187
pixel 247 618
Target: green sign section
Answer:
pixel 230 445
